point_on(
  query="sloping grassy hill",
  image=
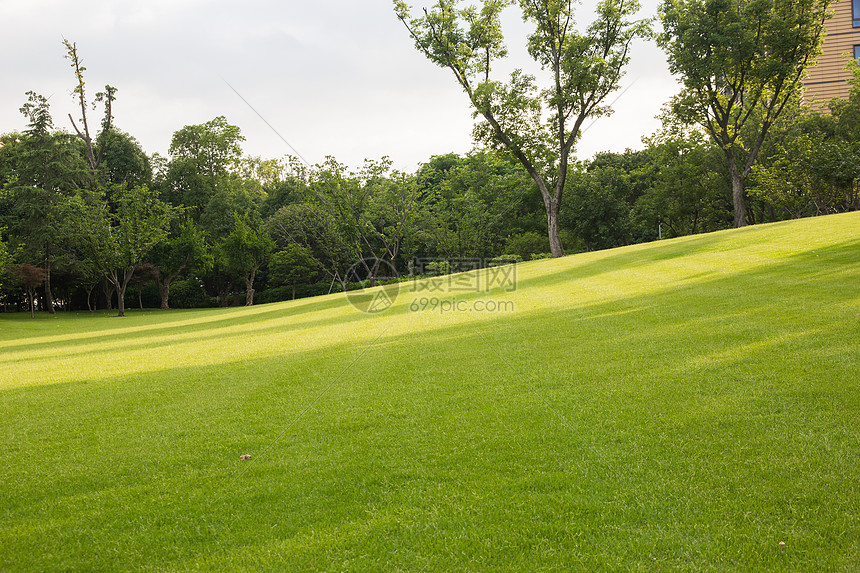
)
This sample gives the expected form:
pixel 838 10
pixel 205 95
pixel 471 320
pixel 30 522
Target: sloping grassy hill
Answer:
pixel 692 404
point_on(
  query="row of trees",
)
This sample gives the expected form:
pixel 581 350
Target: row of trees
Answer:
pixel 218 223
pixel 740 63
pixel 84 214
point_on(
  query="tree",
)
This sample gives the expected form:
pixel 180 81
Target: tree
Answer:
pixel 594 214
pixel 689 191
pixel 291 265
pixel 811 175
pixel 30 277
pixel 243 252
pixel 202 157
pixel 95 149
pixel 185 249
pixel 538 127
pixel 5 258
pixel 741 62
pixel 317 231
pixel 115 240
pixel 124 161
pixel 477 203
pixel 45 170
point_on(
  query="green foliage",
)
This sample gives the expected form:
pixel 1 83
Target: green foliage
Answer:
pixel 116 230
pixel 594 214
pixel 508 259
pixel 810 175
pixel 215 147
pixel 438 268
pixel 476 202
pixel 741 64
pixel 526 244
pixel 188 294
pixel 5 258
pixel 293 264
pixel 185 248
pixel 316 231
pixel 230 196
pixel 243 252
pixel 204 166
pixel 537 126
pixel 689 189
pixel 124 160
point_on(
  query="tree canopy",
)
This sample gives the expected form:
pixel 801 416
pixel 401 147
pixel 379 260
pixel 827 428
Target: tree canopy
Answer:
pixel 538 125
pixel 741 63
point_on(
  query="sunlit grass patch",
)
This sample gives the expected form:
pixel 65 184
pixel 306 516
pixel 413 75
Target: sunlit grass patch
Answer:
pixel 688 404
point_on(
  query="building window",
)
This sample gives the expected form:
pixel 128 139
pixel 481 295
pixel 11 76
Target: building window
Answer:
pixel 857 53
pixel 855 8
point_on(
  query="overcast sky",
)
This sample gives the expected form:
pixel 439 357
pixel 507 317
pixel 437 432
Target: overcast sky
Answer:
pixel 333 77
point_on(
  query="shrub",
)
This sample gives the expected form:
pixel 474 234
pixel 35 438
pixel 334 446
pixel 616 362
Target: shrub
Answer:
pixel 504 260
pixel 524 244
pixel 538 256
pixel 188 294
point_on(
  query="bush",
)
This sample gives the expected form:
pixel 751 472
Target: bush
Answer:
pixel 437 268
pixel 538 256
pixel 504 260
pixel 527 243
pixel 282 293
pixel 188 294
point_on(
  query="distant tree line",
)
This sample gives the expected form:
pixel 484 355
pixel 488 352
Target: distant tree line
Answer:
pixel 88 220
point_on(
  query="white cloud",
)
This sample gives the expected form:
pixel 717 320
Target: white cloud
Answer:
pixel 334 77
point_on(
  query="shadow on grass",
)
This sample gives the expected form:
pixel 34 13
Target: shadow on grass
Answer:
pixel 646 425
pixel 720 294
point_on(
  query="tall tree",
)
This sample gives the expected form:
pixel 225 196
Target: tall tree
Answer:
pixel 5 258
pixel 95 146
pixel 45 170
pixel 741 63
pixel 116 239
pixel 539 127
pixel 203 158
pixel 243 252
pixel 185 249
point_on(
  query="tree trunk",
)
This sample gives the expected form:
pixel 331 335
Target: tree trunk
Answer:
pixel 49 297
pixel 107 290
pixel 164 288
pixel 294 291
pixel 164 292
pixel 738 195
pixel 121 286
pixel 555 245
pixel 249 287
pixel 249 291
pixel 120 301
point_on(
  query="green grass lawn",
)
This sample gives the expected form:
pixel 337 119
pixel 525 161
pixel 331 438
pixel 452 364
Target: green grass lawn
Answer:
pixel 691 404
